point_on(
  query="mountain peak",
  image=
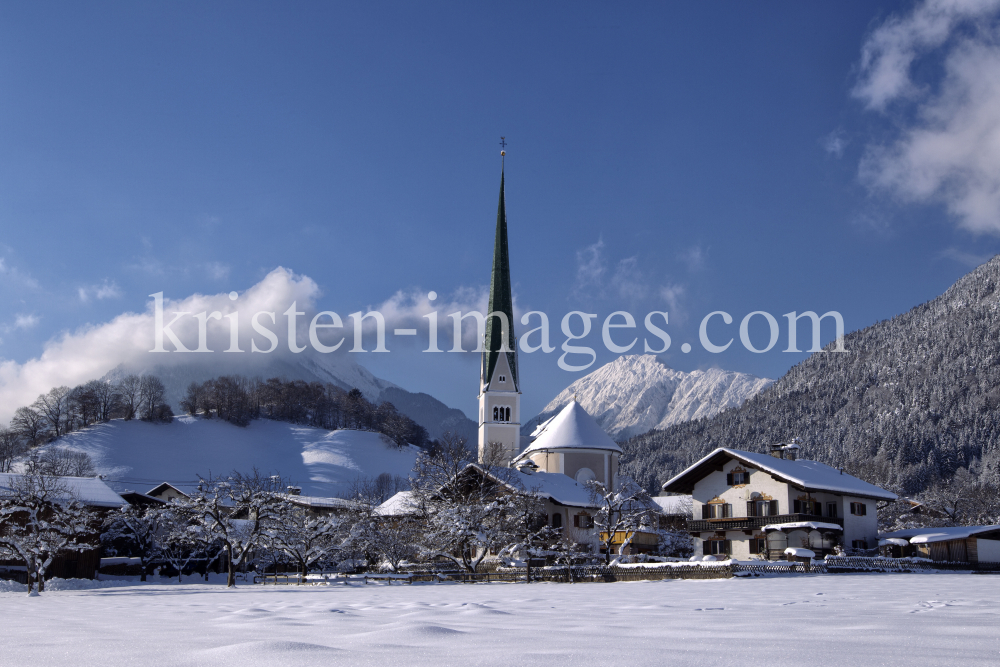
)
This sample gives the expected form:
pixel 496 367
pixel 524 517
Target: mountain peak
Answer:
pixel 637 393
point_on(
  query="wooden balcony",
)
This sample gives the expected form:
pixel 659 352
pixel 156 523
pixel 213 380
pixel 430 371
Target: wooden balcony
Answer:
pixel 751 522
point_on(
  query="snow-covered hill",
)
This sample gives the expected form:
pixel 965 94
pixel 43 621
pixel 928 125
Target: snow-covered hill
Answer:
pixel 636 393
pixel 137 455
pixel 341 370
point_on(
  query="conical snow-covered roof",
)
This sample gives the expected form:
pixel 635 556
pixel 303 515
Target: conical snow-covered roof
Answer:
pixel 572 428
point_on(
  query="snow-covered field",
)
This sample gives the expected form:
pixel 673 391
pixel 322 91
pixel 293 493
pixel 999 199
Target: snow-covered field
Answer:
pixel 138 456
pixel 905 619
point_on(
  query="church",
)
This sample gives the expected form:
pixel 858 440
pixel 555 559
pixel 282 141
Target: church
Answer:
pixel 564 453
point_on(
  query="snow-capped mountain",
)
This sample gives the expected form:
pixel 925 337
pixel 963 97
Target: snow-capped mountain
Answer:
pixel 637 393
pixel 341 370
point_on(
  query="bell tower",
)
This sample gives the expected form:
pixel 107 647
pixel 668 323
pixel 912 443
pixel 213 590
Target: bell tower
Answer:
pixel 499 385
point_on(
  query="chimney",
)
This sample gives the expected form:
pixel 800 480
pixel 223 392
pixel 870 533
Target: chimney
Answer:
pixel 778 451
pixel 294 490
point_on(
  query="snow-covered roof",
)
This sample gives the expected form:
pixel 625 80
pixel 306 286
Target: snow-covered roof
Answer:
pixel 799 525
pixel 557 487
pixel 808 475
pixel 572 428
pixel 898 541
pixel 90 491
pixel 927 535
pixel 675 505
pixel 398 505
pixel 319 502
pixel 800 552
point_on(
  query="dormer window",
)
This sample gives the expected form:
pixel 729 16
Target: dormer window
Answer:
pixel 503 378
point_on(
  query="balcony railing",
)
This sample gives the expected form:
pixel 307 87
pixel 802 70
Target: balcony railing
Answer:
pixel 750 522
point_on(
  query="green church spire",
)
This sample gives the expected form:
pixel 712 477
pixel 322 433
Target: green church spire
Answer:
pixel 501 301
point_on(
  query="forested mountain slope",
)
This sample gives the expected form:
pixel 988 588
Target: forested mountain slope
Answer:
pixel 912 400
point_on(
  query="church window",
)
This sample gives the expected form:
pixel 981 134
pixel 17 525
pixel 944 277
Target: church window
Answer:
pixel 495 412
pixel 503 378
pixel 507 417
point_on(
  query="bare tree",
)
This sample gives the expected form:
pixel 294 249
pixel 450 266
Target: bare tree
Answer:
pixel 61 462
pixel 302 536
pixel 12 446
pixel 107 399
pixel 129 388
pixel 151 393
pixel 185 538
pixel 236 510
pixel 623 510
pixel 40 519
pixel 134 532
pixel 53 408
pixel 30 424
pixel 470 509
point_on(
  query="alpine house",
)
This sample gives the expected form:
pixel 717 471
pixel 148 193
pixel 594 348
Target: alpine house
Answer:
pixel 749 504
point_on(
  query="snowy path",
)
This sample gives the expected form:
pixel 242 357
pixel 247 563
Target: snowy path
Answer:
pixel 920 619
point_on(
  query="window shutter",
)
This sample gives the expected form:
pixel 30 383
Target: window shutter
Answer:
pixel 750 508
pixel 797 506
pixel 774 507
pixel 864 509
pixel 729 547
pixel 576 521
pixel 729 479
pixel 706 511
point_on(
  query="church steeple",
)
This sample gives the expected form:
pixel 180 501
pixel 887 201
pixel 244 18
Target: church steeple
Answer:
pixel 501 301
pixel 499 387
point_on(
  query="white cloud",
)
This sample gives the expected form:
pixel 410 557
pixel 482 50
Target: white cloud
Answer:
pixel 694 257
pixel 14 276
pixel 673 296
pixel 835 143
pixel 949 152
pixel 25 321
pixel 629 282
pixel 969 259
pixel 590 269
pixel 217 270
pixel 93 350
pixel 106 290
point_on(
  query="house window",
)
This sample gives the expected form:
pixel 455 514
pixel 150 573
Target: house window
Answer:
pixel 859 544
pixel 762 508
pixel 831 509
pixel 557 520
pixel 807 507
pixel 758 545
pixel 859 509
pixel 717 547
pixel 716 510
pixel 738 477
pixel 583 521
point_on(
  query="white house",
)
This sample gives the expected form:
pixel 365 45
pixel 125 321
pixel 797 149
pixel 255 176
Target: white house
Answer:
pixel 748 504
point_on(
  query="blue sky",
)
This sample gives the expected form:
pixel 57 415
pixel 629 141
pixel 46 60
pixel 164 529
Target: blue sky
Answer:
pixel 685 157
